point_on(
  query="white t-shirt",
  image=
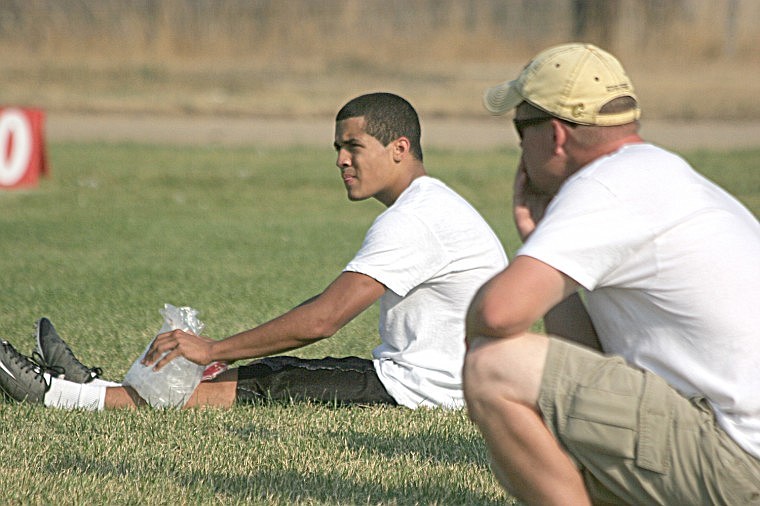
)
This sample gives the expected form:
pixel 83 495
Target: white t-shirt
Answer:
pixel 671 263
pixel 432 251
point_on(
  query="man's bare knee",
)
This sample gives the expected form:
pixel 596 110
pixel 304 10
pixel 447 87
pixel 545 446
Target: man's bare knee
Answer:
pixel 483 383
pixel 504 369
pixel 477 373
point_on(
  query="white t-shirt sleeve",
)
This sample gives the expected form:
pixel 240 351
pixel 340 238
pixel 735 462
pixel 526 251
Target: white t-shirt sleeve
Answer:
pixel 588 234
pixel 400 252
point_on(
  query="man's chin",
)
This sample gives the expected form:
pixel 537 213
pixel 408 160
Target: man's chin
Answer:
pixel 356 198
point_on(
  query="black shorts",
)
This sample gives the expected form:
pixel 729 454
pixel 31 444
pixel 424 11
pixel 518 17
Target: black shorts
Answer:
pixel 341 381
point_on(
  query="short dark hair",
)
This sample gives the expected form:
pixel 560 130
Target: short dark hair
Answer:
pixel 387 118
pixel 618 105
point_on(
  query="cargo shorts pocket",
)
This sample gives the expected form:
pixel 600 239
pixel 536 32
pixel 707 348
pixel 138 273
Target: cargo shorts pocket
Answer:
pixel 602 422
pixel 623 416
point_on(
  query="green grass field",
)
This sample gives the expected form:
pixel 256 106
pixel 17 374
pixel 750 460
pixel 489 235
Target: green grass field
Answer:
pixel 241 235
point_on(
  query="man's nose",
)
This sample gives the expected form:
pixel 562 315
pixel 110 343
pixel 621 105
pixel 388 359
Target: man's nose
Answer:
pixel 343 160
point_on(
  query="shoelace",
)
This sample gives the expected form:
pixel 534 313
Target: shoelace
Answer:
pixel 39 360
pixel 56 370
pixel 94 372
pixel 26 363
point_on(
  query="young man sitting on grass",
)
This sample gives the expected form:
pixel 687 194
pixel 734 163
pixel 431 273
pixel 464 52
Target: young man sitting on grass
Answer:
pixel 423 258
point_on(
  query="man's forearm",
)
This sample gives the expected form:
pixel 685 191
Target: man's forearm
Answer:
pixel 294 329
pixel 317 318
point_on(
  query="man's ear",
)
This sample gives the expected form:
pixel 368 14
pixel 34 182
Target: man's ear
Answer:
pixel 401 148
pixel 560 136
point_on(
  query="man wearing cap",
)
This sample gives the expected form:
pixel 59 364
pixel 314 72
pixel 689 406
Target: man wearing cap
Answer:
pixel 647 389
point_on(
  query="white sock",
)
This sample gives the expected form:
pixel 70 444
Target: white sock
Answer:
pixel 104 383
pixel 69 395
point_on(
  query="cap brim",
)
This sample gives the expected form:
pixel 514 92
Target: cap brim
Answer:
pixel 502 98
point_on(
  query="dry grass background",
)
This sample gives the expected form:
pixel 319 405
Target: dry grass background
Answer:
pixel 690 59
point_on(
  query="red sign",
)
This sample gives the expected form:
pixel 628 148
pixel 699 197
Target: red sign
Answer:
pixel 22 147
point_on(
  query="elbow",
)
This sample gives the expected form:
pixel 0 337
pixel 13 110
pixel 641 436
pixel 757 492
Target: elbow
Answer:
pixel 483 321
pixel 491 318
pixel 322 329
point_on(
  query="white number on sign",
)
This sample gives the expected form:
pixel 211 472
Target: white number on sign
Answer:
pixel 16 134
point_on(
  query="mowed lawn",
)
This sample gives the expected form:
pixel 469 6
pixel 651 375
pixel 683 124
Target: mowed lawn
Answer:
pixel 241 235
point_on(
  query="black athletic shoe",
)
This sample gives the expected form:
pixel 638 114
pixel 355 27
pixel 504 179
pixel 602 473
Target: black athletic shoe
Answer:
pixel 20 378
pixel 53 353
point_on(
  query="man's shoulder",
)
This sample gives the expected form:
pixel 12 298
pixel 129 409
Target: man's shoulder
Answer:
pixel 429 192
pixel 637 152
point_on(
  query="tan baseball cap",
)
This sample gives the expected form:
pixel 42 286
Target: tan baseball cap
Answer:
pixel 572 82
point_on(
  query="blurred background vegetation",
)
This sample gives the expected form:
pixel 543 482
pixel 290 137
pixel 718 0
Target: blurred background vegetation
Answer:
pixel 688 58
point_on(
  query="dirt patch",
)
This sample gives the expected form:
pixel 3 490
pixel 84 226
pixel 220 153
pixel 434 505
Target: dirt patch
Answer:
pixel 437 132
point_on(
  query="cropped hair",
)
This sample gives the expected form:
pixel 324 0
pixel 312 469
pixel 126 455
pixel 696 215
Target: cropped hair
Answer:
pixel 387 117
pixel 618 105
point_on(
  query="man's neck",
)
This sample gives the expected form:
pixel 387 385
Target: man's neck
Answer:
pixel 595 152
pixel 389 197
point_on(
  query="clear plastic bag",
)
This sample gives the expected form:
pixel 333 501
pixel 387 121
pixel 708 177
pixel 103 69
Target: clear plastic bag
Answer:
pixel 173 385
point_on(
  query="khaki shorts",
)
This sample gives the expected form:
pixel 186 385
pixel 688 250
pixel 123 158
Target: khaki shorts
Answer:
pixel 637 440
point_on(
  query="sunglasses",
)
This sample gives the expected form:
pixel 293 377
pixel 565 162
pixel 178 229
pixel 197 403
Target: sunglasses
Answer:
pixel 522 124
